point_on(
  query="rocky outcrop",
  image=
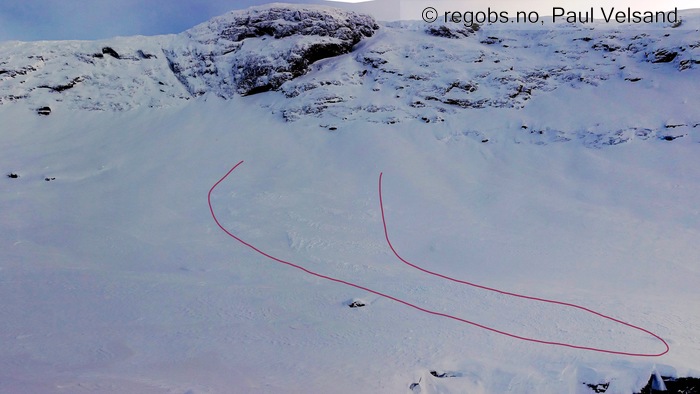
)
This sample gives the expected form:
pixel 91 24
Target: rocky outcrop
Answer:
pixel 44 111
pixel 413 72
pixel 664 56
pixel 240 53
pixel 446 31
pixel 258 49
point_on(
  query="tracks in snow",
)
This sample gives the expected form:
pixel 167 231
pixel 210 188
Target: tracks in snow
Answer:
pixel 451 279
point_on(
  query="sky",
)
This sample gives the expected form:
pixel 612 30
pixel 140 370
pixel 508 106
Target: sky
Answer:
pixel 31 20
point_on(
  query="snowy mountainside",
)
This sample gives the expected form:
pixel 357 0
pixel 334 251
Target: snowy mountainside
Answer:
pixel 435 74
pixel 115 278
pixel 222 56
pixel 88 75
pixel 411 71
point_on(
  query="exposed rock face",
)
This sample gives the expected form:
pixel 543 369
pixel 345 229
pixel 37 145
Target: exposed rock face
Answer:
pixel 411 72
pixel 111 52
pixel 664 56
pixel 280 21
pixel 240 53
pixel 259 49
pixel 451 32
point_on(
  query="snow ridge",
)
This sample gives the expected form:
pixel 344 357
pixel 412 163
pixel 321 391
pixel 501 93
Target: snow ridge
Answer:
pixel 410 71
pixel 242 52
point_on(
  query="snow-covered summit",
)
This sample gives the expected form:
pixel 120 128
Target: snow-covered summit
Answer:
pixel 401 72
pixel 281 20
pixel 260 48
pixel 241 52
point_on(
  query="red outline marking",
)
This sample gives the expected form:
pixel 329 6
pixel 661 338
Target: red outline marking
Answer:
pixel 386 233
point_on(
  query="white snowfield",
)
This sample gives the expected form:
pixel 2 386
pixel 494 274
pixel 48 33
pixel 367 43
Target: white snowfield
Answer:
pixel 535 160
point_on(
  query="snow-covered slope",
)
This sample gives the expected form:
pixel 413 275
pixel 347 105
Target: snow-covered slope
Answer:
pixel 555 161
pixel 411 70
pixel 241 52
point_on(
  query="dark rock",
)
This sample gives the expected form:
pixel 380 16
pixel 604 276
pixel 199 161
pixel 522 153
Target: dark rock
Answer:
pixel 685 64
pixel 664 56
pixel 635 79
pixel 12 175
pixel 111 52
pixel 605 47
pixel 60 88
pixel 673 385
pixel 669 137
pixel 45 111
pixel 521 90
pixel 491 41
pixel 448 32
pixel 316 52
pixel 465 86
pixel 260 89
pixel 598 388
pixel 444 374
pixel 373 60
pixel 463 103
pixel 21 71
pixel 144 55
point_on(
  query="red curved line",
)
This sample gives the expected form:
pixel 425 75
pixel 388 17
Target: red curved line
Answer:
pixel 391 246
pixel 211 210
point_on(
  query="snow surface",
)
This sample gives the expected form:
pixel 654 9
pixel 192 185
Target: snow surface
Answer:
pixel 114 277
